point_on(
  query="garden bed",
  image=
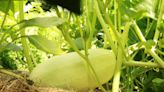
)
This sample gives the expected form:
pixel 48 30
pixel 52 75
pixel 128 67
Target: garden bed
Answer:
pixel 9 83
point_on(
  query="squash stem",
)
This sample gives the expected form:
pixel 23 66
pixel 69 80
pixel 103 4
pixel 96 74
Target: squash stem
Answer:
pixel 142 64
pixel 157 32
pixel 69 40
pixel 117 73
pixel 11 73
pixel 24 40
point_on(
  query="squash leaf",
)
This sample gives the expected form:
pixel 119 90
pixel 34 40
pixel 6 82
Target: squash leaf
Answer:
pixel 44 44
pixel 10 46
pixel 42 22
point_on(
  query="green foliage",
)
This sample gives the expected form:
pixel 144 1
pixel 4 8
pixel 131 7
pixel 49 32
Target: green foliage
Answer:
pixel 79 43
pixel 158 83
pixel 44 44
pixel 4 4
pixel 7 61
pixel 42 22
pixel 154 81
pixel 137 9
pixel 132 29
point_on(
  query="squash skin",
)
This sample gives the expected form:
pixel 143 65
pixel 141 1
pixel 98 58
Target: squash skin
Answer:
pixel 70 71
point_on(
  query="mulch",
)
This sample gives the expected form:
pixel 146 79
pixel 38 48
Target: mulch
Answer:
pixel 10 83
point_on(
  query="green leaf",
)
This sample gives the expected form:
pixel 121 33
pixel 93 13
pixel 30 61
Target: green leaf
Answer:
pixel 158 84
pixel 133 38
pixel 79 43
pixel 14 47
pixel 44 44
pixel 137 9
pixel 148 6
pixel 10 46
pixel 10 4
pixel 158 81
pixel 3 5
pixel 42 22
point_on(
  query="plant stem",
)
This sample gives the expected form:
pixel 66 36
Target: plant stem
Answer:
pixel 150 51
pixel 105 28
pixel 121 53
pixel 117 73
pixel 138 32
pixel 11 73
pixel 57 12
pixel 115 14
pixel 157 58
pixel 160 52
pixel 24 40
pixel 90 20
pixel 142 64
pixel 108 23
pixel 157 32
pixel 116 81
pixel 69 40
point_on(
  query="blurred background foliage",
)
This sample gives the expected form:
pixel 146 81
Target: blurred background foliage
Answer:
pixel 45 37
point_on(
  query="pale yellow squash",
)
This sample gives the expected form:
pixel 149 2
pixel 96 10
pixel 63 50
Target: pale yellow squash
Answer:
pixel 70 71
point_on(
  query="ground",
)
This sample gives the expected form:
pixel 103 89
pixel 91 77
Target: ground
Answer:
pixel 9 83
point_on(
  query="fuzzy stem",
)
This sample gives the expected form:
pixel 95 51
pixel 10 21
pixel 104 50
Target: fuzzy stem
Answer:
pixel 117 73
pixel 105 27
pixel 69 40
pixel 11 73
pixel 157 32
pixel 24 40
pixel 142 64
pixel 159 52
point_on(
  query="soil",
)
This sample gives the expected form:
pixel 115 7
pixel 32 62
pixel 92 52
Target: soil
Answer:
pixel 10 83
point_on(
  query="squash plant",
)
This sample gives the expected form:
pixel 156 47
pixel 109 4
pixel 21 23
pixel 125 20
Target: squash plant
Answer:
pixel 132 30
